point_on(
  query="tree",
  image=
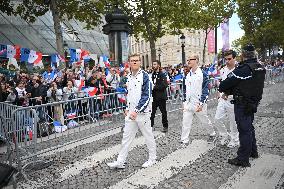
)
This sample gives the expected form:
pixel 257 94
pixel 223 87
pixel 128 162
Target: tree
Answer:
pixel 262 22
pixel 204 15
pixel 150 19
pixel 89 12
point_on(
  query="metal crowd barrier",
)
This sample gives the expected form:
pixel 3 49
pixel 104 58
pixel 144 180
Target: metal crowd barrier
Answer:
pixel 32 131
pixel 274 75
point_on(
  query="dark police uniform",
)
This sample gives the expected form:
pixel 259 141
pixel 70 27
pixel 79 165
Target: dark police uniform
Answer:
pixel 159 98
pixel 246 84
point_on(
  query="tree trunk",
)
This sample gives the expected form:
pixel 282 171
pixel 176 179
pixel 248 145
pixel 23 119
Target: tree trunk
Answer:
pixel 153 50
pixel 204 46
pixel 57 27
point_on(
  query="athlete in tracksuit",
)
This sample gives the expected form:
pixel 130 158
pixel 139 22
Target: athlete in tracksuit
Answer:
pixel 138 112
pixel 225 107
pixel 196 88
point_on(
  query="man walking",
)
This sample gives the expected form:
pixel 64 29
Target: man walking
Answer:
pixel 246 84
pixel 196 88
pixel 159 94
pixel 139 100
pixel 225 107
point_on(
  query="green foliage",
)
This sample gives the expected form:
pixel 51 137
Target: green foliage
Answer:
pixel 262 22
pixel 89 11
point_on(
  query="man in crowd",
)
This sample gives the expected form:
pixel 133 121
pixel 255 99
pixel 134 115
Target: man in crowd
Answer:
pixel 137 113
pixel 196 87
pixel 225 107
pixel 246 84
pixel 159 80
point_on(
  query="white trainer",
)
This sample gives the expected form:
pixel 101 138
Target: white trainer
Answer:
pixel 149 163
pixel 233 144
pixel 116 164
pixel 223 140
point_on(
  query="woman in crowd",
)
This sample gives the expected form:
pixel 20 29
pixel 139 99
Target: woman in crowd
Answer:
pixel 54 94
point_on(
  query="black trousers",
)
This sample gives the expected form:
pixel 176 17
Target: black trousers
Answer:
pixel 246 133
pixel 162 106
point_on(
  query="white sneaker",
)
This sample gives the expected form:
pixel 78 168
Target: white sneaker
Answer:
pixel 233 144
pixel 149 163
pixel 116 164
pixel 223 140
pixel 115 113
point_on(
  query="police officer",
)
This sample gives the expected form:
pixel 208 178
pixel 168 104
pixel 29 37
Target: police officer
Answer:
pixel 159 80
pixel 246 84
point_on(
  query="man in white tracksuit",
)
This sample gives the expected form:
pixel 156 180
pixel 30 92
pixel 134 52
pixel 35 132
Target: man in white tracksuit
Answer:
pixel 225 108
pixel 196 89
pixel 138 112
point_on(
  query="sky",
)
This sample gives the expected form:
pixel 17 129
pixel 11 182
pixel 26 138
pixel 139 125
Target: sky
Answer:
pixel 235 31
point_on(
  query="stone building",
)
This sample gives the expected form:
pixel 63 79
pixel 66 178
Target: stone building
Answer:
pixel 170 45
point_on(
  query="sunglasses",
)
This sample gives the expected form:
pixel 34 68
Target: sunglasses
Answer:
pixel 228 59
pixel 191 59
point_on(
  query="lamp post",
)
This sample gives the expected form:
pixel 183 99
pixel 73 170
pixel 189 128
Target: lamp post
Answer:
pixel 182 39
pixel 117 28
pixel 159 54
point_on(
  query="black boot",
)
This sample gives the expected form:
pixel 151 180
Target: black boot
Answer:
pixel 165 130
pixel 238 162
pixel 254 155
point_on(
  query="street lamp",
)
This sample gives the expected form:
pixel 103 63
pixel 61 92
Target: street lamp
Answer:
pixel 182 39
pixel 159 54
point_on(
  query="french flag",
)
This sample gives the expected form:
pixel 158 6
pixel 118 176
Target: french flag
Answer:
pixel 85 55
pixel 121 96
pixel 30 56
pixel 91 91
pixel 212 70
pixel 80 83
pixel 106 61
pixel 178 77
pixel 75 55
pixel 71 115
pixel 56 58
pixel 13 51
pixel 35 58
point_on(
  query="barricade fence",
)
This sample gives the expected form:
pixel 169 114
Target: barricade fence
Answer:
pixel 32 131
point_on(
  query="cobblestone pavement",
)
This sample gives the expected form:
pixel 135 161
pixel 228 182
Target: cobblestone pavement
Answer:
pixel 201 170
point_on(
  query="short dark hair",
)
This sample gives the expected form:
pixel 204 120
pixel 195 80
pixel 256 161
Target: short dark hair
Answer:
pixel 159 63
pixel 230 52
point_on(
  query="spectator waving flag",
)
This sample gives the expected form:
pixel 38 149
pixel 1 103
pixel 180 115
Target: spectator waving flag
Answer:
pixel 13 51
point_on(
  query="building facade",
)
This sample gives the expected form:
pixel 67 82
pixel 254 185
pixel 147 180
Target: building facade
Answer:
pixel 170 45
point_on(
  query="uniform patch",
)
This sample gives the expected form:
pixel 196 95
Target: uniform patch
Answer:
pixel 230 75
